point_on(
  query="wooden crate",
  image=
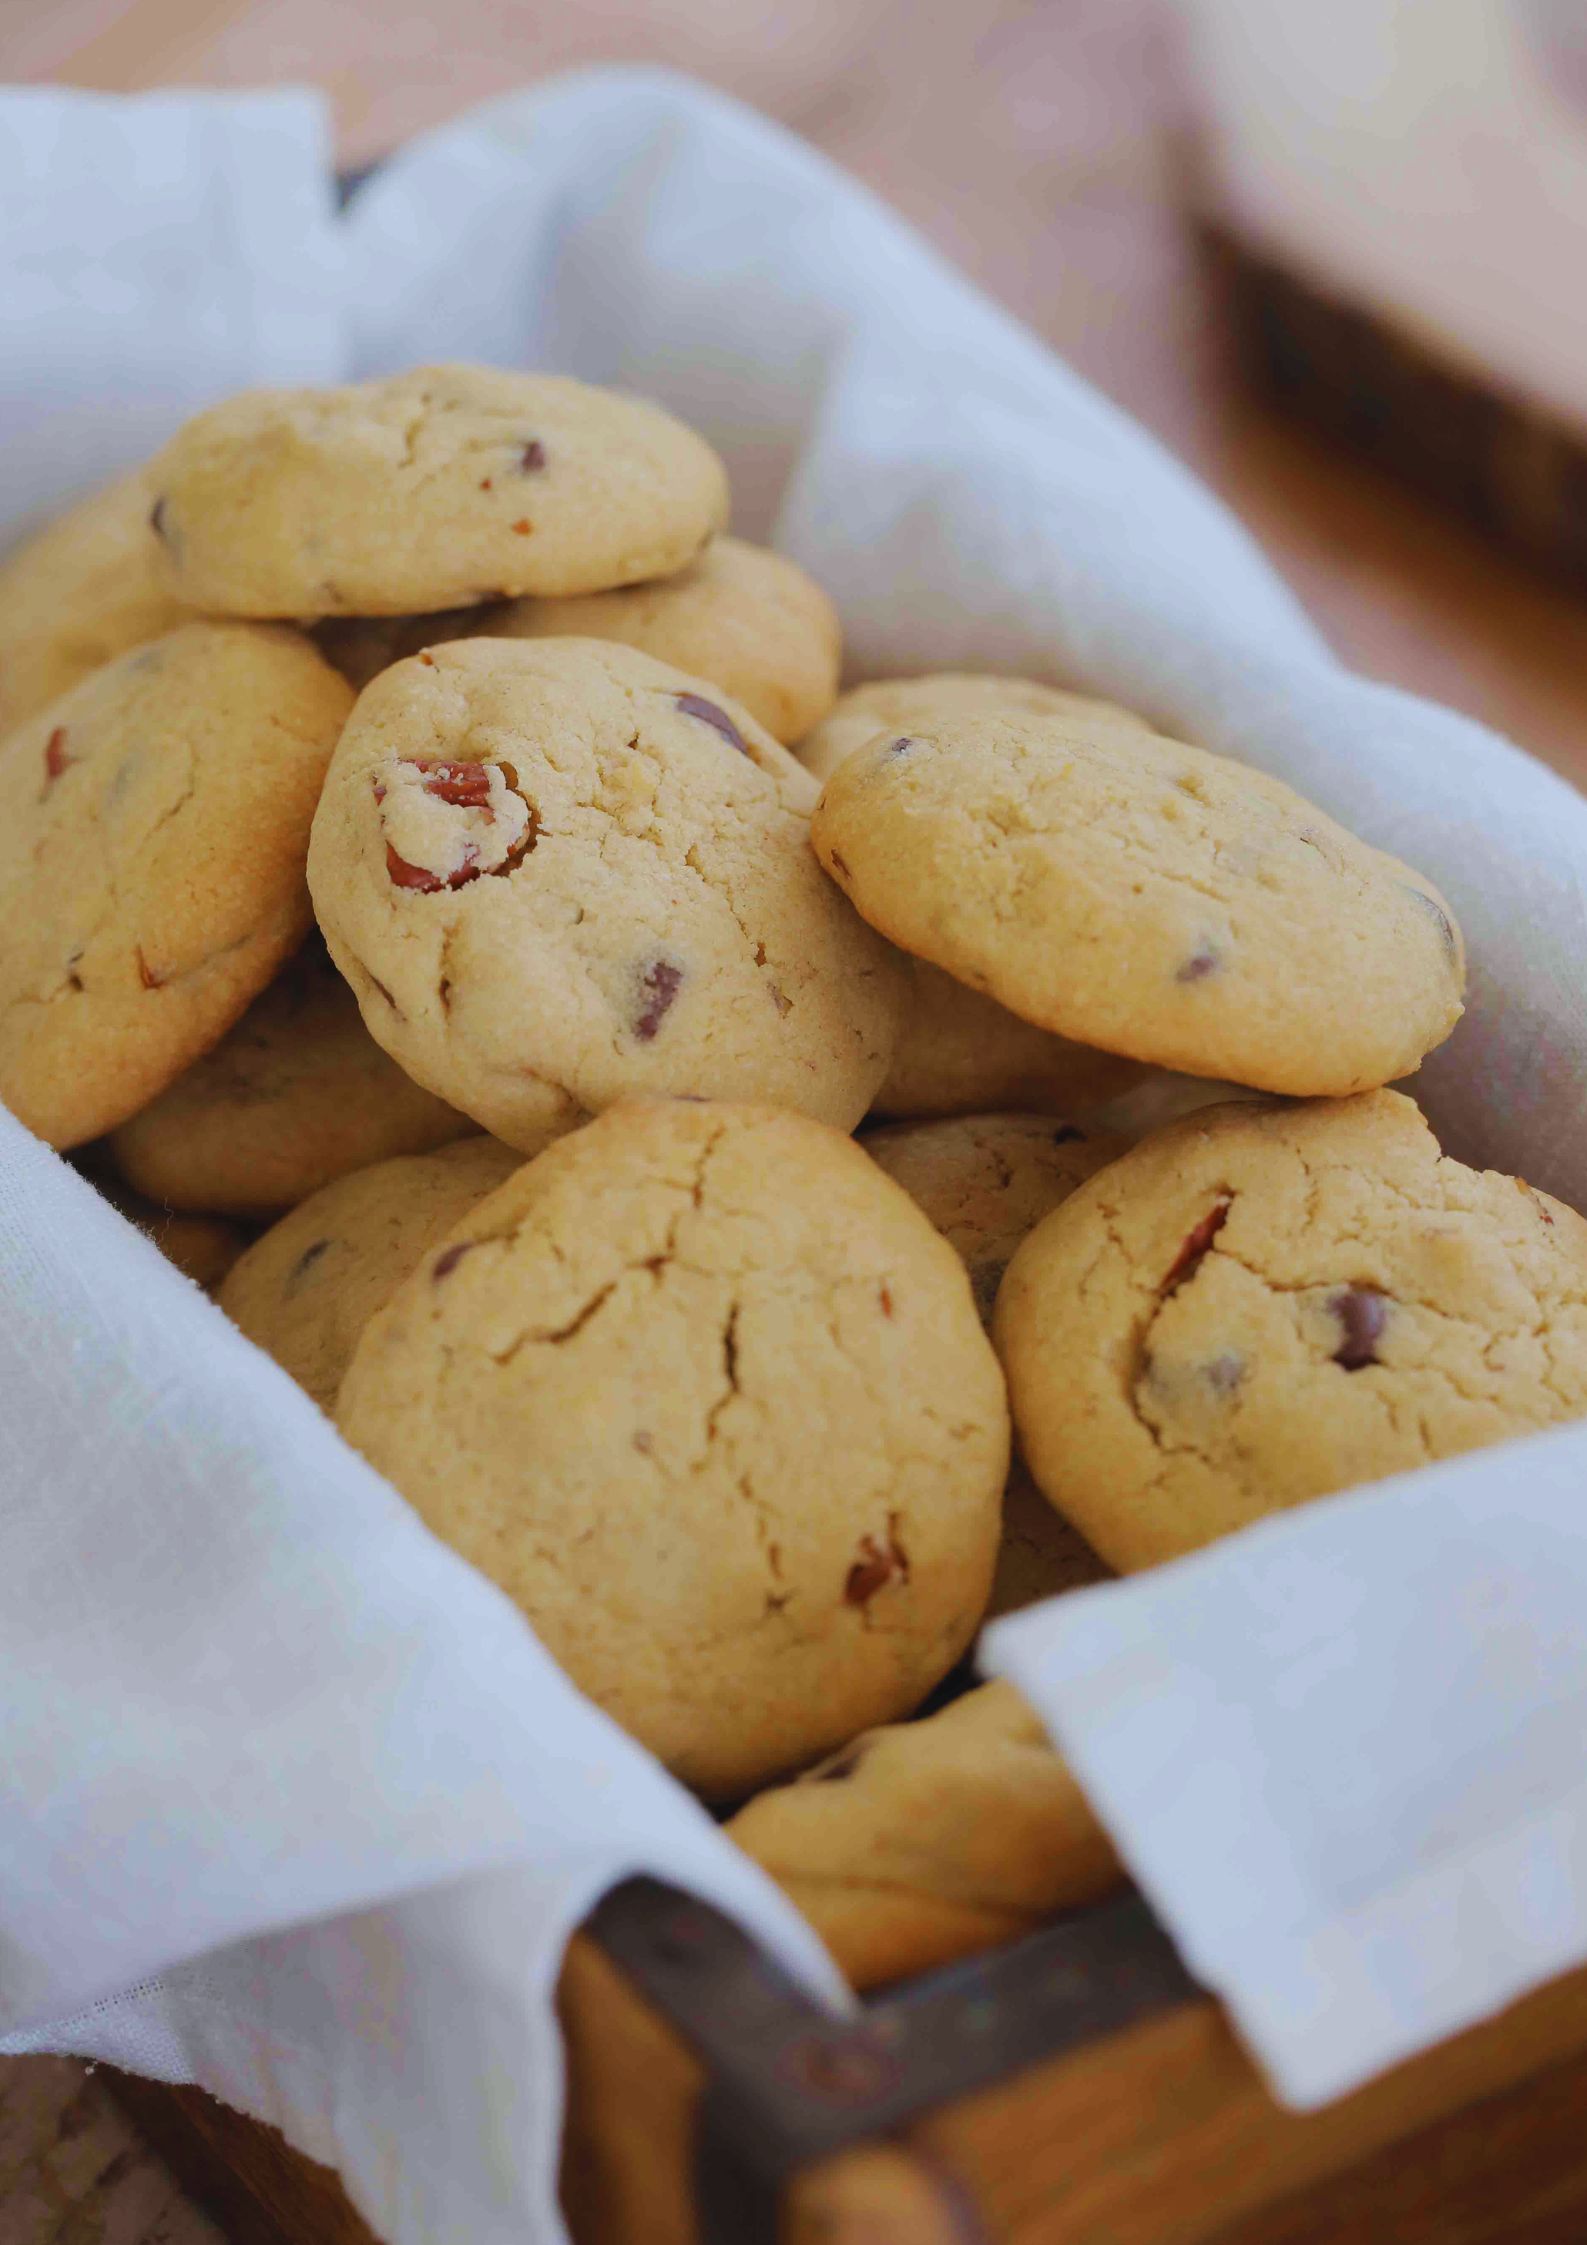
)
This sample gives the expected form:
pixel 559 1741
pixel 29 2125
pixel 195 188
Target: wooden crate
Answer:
pixel 1071 2089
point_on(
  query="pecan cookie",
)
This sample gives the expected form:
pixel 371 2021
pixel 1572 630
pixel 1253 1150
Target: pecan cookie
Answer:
pixel 153 828
pixel 298 1093
pixel 1260 1305
pixel 1130 892
pixel 930 1841
pixel 960 1053
pixel 557 872
pixel 742 616
pixel 705 1393
pixel 82 590
pixel 306 1290
pixel 897 705
pixel 443 486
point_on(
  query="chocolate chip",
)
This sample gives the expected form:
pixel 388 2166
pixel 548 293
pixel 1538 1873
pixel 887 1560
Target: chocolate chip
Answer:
pixel 305 1263
pixel 875 1565
pixel 533 456
pixel 55 757
pixel 1362 1313
pixel 661 981
pixel 1199 965
pixel 902 746
pixel 467 786
pixel 1066 1134
pixel 1435 910
pixel 1224 1373
pixel 449 1258
pixel 157 518
pixel 1195 1246
pixel 696 705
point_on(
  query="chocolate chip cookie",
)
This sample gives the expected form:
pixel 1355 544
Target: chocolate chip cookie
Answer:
pixel 706 1394
pixel 298 1093
pixel 306 1290
pixel 153 829
pixel 441 487
pixel 961 1053
pixel 1131 892
pixel 899 705
pixel 82 590
pixel 1258 1306
pixel 929 1841
pixel 987 1180
pixel 557 872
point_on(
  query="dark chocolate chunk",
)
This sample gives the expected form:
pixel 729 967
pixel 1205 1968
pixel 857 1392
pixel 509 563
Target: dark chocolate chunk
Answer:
pixel 1362 1313
pixel 660 982
pixel 875 1565
pixel 533 456
pixel 696 705
pixel 1199 965
pixel 449 1258
pixel 305 1263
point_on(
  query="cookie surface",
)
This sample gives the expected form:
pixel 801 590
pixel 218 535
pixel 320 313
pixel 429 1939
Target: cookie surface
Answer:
pixel 443 486
pixel 558 872
pixel 153 828
pixel 1259 1306
pixel 1134 893
pixel 984 1181
pixel 929 1841
pixel 961 1053
pixel 703 1391
pixel 298 1093
pixel 936 697
pixel 79 592
pixel 306 1290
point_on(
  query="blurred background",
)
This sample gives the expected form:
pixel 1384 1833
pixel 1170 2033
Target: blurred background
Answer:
pixel 1048 147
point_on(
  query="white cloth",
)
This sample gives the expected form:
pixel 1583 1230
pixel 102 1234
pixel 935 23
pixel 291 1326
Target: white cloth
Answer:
pixel 259 1734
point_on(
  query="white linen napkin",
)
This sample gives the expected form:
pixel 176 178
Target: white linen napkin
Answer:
pixel 259 1733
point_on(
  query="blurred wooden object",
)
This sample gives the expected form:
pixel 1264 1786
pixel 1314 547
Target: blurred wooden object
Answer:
pixel 1035 146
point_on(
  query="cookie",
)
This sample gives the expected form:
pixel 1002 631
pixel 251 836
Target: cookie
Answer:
pixel 202 1247
pixel 897 705
pixel 444 486
pixel 929 1841
pixel 1259 1306
pixel 1040 1554
pixel 557 872
pixel 79 592
pixel 298 1093
pixel 1130 892
pixel 986 1180
pixel 153 829
pixel 306 1290
pixel 960 1053
pixel 747 619
pixel 707 1396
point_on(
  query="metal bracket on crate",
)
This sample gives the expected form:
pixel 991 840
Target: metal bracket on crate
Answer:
pixel 790 2085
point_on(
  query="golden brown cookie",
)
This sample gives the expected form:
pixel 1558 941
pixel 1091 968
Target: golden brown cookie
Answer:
pixel 306 1290
pixel 443 486
pixel 79 592
pixel 558 873
pixel 929 1841
pixel 1260 1305
pixel 298 1093
pixel 706 1394
pixel 961 1053
pixel 154 824
pixel 987 1180
pixel 898 705
pixel 1131 892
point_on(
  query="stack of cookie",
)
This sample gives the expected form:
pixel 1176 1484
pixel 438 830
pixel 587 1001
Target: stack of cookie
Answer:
pixel 428 834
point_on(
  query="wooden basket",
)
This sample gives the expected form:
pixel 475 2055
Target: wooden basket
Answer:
pixel 1075 2088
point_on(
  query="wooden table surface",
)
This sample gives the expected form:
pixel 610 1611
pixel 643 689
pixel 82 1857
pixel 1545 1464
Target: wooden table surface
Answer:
pixel 1033 141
